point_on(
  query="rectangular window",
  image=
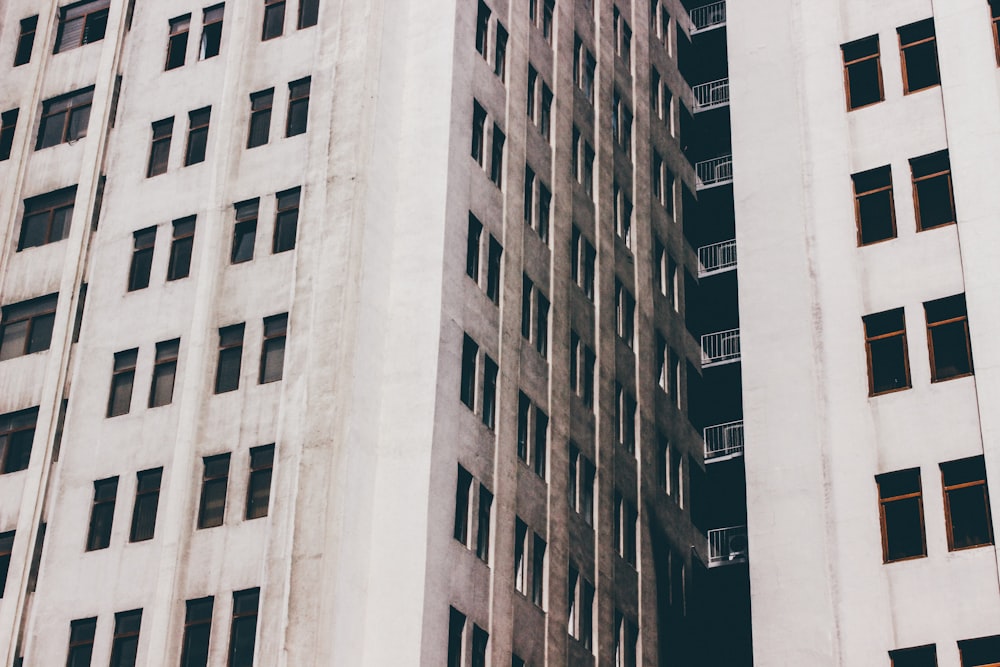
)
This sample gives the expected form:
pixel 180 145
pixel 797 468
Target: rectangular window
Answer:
pixel 81 642
pixel 244 231
pixel 456 637
pixel 583 162
pixel 545 113
pixel 161 390
pixel 995 21
pixel 581 484
pixel 197 631
pixel 621 123
pixel 197 139
pixel 622 215
pixel 538 572
pixel 523 425
pixel 467 391
pixel 496 162
pixel 901 512
pixel 532 93
pixel 482 27
pixel 26 40
pixel 623 37
pixel 480 642
pixel 147 498
pixel 308 13
pixel 142 258
pixel 540 12
pixel 483 530
pixel 211 32
pixel 17 431
pixel 920 656
pixel 500 53
pixel 966 503
pixel 81 23
pixel 981 652
pixel 918 52
pixel 626 639
pixel 478 132
pixel 948 338
pixel 274 19
pixel 932 190
pixel 862 72
pixel 584 69
pixel 227 374
pixel 463 491
pixel 472 248
pixel 26 327
pixel 286 221
pixel 885 345
pixel 8 123
pixel 177 41
pixel 46 218
pixel 6 548
pixel 260 117
pixel 65 118
pixel 544 208
pixel 125 644
pixel 272 352
pixel 581 607
pixel 873 205
pixel 159 148
pixel 489 391
pixel 259 484
pixel 529 196
pixel 625 418
pixel 534 316
pixel 214 481
pixel 520 554
pixel 493 268
pixel 625 313
pixel 583 263
pixel 243 631
pixel 298 107
pixel 581 374
pixel 102 514
pixel 122 379
pixel 541 445
pixel 181 247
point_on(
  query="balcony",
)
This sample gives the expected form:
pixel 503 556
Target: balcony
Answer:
pixel 727 546
pixel 708 17
pixel 723 441
pixel 711 95
pixel 717 171
pixel 716 258
pixel 721 347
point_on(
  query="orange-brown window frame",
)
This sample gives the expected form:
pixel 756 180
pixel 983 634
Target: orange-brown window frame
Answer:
pixel 930 344
pixel 909 45
pixel 867 193
pixel 854 61
pixel 914 179
pixel 868 354
pixel 882 502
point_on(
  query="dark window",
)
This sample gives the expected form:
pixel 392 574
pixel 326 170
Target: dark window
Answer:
pixel 27 326
pixel 102 514
pixel 197 139
pixel 274 19
pixel 227 375
pixel 581 484
pixel 308 13
pixel 159 150
pixel 583 263
pixel 215 479
pixel 581 370
pixel 125 644
pixel 483 531
pixel 581 607
pixel 482 27
pixel 6 548
pixel 211 32
pixel 260 117
pixel 948 338
pixel 142 258
pixel 621 123
pixel 456 632
pixel 873 205
pixel 8 123
pixel 625 313
pixel 584 69
pixel 538 571
pixel 161 389
pixel 298 107
pixel 523 425
pixel 932 190
pixel 496 163
pixel 463 491
pixel 625 418
pixel 515 661
pixel 623 37
pixel 467 390
pixel 920 656
pixel 862 72
pixel 918 51
pixel 885 345
pixel 981 652
pixel 901 512
pixel 626 639
pixel 179 264
pixel 545 112
pixel 478 132
pixel 47 218
pixel 489 391
pixel 493 268
pixel 966 503
pixel 544 208
pixel 995 20
pixel 242 635
pixel 472 248
pixel 81 23
pixel 286 222
pixel 177 41
pixel 540 13
pixel 81 642
pixel 520 554
pixel 272 351
pixel 244 231
pixel 65 118
pixel 480 641
pixel 500 53
pixel 197 631
pixel 147 498
pixel 26 40
pixel 17 431
pixel 259 485
pixel 122 378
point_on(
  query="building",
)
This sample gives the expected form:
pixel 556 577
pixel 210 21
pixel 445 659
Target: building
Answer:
pixel 369 333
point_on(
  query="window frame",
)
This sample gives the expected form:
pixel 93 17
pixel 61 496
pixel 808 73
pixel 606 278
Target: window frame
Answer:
pixel 181 248
pixel 259 125
pixel 178 34
pixel 215 476
pixel 102 514
pixel 274 340
pixel 308 15
pixel 68 106
pixel 940 173
pixel 164 366
pixel 883 501
pixel 243 624
pixel 876 56
pixel 197 617
pixel 869 339
pixel 196 148
pixel 26 40
pixel 159 147
pixel 29 311
pixel 273 25
pixel 13 423
pixel 147 500
pixel 260 478
pixel 932 39
pixel 954 319
pixel 946 490
pixel 141 266
pixel 90 17
pixel 210 44
pixel 230 338
pixel 286 220
pixel 125 641
pixel 299 92
pixel 122 382
pixel 874 191
pixel 61 201
pixel 81 646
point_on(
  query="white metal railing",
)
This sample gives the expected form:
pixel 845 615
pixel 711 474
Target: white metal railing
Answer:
pixel 711 94
pixel 723 440
pixel 727 545
pixel 717 171
pixel 720 347
pixel 717 257
pixel 708 16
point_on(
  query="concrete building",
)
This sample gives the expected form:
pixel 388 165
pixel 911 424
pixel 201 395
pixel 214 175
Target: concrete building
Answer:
pixel 368 333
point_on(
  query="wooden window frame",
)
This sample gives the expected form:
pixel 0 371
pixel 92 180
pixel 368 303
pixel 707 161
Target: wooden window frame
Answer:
pixel 147 491
pixel 195 132
pixel 877 57
pixel 945 492
pixel 964 319
pixel 945 173
pixel 83 642
pixel 65 106
pixel 909 45
pixel 244 618
pixel 141 266
pixel 286 220
pixel 928 650
pixel 230 338
pixel 883 501
pixel 30 311
pixel 211 31
pixel 128 625
pixel 868 354
pixel 177 40
pixel 275 338
pixel 246 215
pixel 298 99
pixel 273 7
pixel 868 193
pixel 26 40
pixel 259 127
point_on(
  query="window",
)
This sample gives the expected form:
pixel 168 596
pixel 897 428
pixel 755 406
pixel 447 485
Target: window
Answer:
pixel 659 22
pixel 622 214
pixel 6 548
pixel 272 352
pixel 227 375
pixel 159 149
pixel 81 642
pixel 215 479
pixel 581 369
pixel 862 72
pixel 27 326
pixel 161 389
pixel 625 529
pixel 179 264
pixel 666 274
pixel 489 391
pixel 948 338
pixel 583 263
pixel 483 530
pixel 81 23
pixel 478 132
pixel 534 316
pixel 532 92
pixel 966 503
pixel 8 123
pixel 125 644
pixel 298 107
pixel 581 484
pixel 142 258
pixel 516 661
pixel 885 344
pixel 581 607
pixel 625 313
pixel 981 652
pixel 626 639
pixel 456 637
pixel 532 435
pixel 102 514
pixel 286 221
pixel 177 41
pixel 901 512
pixel 467 391
pixel 545 113
pixel 655 92
pixel 274 19
pixel 244 231
pixel 17 431
pixel 623 37
pixel 995 20
pixel 537 201
pixel 260 117
pixel 259 484
pixel 676 488
pixel 463 503
pixel 308 13
pixel 211 32
pixel 46 218
pixel 918 51
pixel 621 123
pixel 65 118
pixel 197 139
pixel 496 163
pixel 663 463
pixel 873 205
pixel 921 656
pixel 625 418
pixel 932 190
pixel 520 554
pixel 540 12
pixel 500 53
pixel 122 378
pixel 197 631
pixel 583 162
pixel 482 27
pixel 147 497
pixel 26 40
pixel 663 183
pixel 243 632
pixel 480 641
pixel 584 69
pixel 538 572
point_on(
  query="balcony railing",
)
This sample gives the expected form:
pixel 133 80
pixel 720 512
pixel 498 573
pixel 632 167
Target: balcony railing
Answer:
pixel 723 441
pixel 716 258
pixel 727 545
pixel 708 17
pixel 711 95
pixel 721 347
pixel 717 171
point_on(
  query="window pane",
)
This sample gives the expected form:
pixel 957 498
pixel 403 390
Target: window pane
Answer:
pixel 888 361
pixel 951 352
pixel 904 529
pixel 970 517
